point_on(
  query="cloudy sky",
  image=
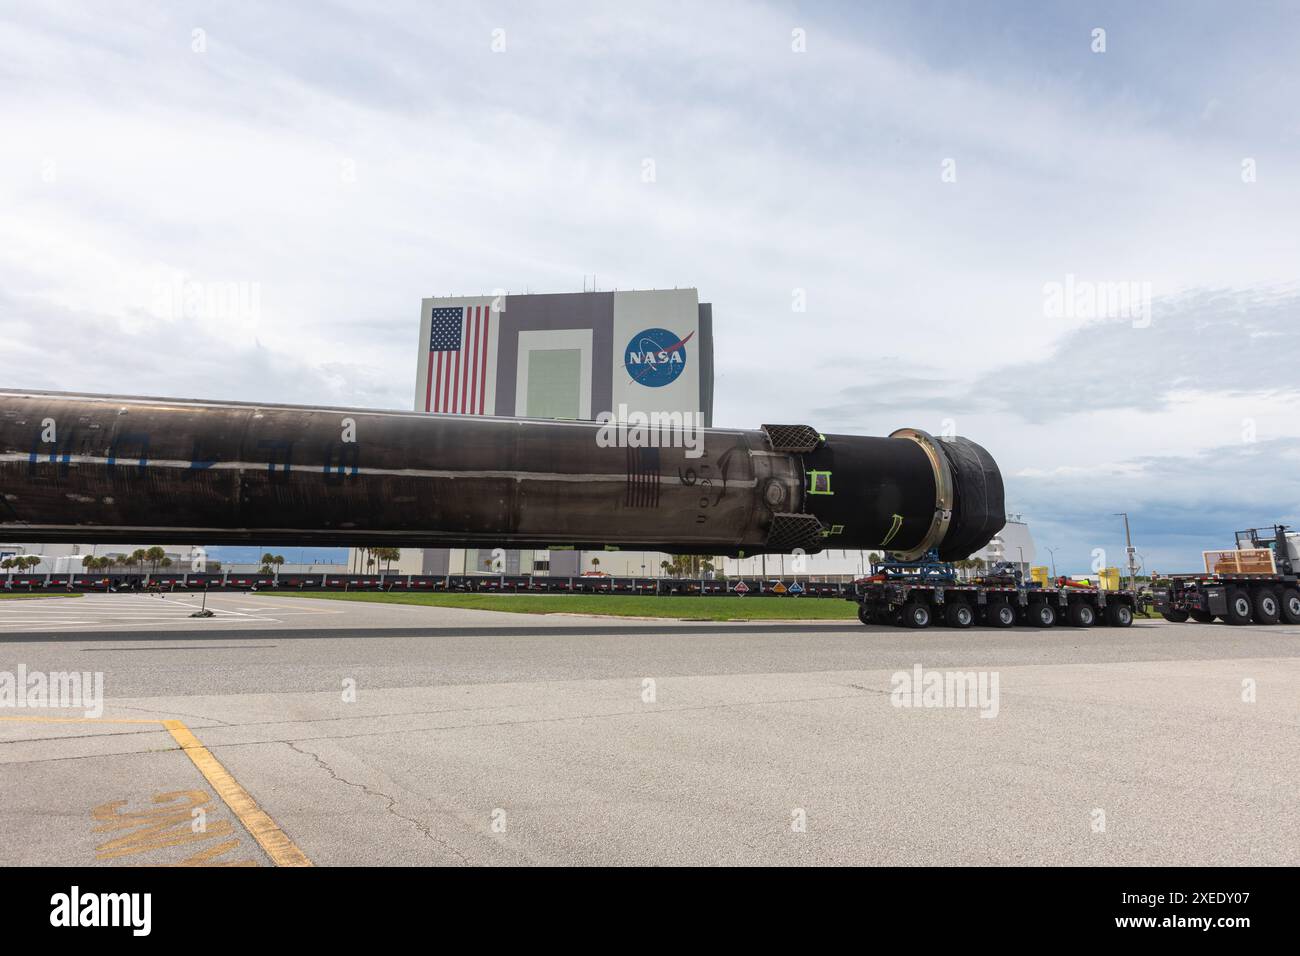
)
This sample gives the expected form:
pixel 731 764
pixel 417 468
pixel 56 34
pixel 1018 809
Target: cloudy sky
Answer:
pixel 249 200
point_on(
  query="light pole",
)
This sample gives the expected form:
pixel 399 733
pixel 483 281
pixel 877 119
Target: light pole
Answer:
pixel 1052 552
pixel 1128 549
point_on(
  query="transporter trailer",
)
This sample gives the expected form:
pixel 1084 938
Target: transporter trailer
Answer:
pixel 1253 583
pixel 918 593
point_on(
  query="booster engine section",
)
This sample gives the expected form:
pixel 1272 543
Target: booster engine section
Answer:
pixel 117 469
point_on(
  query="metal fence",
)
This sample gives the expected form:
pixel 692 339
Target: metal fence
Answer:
pixel 413 583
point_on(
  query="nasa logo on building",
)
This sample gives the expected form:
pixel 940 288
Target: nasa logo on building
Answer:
pixel 655 357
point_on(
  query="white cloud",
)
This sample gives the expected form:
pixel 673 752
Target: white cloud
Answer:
pixel 347 163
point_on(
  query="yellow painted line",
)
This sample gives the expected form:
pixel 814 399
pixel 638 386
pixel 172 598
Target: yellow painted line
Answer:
pixel 79 720
pixel 276 843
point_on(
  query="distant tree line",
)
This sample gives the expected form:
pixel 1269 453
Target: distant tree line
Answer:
pixel 386 556
pixel 687 565
pixel 138 561
pixel 20 562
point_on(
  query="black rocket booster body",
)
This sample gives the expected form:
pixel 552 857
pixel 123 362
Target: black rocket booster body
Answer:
pixel 114 469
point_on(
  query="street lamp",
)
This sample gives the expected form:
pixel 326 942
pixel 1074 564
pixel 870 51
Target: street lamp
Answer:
pixel 1128 549
pixel 1052 552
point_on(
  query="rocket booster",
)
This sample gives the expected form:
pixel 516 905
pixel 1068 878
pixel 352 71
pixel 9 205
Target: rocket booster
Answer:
pixel 108 468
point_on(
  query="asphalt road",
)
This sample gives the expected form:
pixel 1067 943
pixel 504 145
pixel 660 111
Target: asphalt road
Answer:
pixel 375 734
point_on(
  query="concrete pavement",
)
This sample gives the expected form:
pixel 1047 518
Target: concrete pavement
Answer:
pixel 377 734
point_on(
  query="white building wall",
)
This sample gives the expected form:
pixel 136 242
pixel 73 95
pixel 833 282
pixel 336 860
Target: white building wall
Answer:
pixel 677 310
pixel 66 558
pixel 835 563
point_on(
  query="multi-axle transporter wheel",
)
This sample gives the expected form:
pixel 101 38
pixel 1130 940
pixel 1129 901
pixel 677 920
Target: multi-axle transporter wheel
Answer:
pixel 1119 615
pixel 1266 609
pixel 958 614
pixel 864 614
pixel 1239 606
pixel 999 614
pixel 1039 614
pixel 1082 614
pixel 915 615
pixel 1291 606
pixel 1201 617
pixel 1177 617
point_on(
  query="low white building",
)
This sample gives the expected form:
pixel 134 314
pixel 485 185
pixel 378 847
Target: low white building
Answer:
pixel 68 558
pixel 834 564
pixel 1013 543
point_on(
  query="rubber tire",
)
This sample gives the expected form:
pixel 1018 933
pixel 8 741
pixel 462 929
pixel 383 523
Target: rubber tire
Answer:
pixel 1040 614
pixel 1291 605
pixel 999 614
pixel 864 614
pixel 1177 617
pixel 1081 614
pixel 915 615
pixel 1267 608
pixel 958 614
pixel 1239 607
pixel 1119 615
pixel 1201 617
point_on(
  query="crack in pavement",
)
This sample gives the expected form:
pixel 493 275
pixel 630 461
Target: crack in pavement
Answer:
pixel 174 748
pixel 419 825
pixel 175 714
pixel 650 710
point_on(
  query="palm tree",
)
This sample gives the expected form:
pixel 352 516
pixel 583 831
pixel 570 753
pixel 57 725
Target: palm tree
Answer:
pixel 278 561
pixel 155 556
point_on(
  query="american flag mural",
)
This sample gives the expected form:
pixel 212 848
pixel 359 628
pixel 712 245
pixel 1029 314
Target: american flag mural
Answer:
pixel 458 367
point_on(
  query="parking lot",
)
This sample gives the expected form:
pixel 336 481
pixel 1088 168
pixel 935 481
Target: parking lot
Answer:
pixel 284 730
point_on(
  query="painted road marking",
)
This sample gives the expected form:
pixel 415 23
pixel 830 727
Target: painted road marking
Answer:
pixel 107 612
pixel 168 824
pixel 282 850
pixel 81 720
pixel 276 843
pixel 182 647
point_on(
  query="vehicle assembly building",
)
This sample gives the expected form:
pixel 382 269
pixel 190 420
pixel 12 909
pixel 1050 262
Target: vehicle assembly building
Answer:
pixel 569 356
